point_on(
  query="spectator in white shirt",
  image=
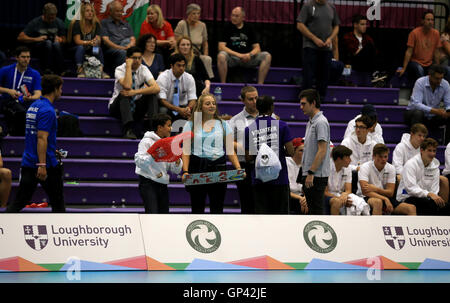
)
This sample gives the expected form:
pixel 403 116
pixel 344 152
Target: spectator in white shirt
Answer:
pixel 177 95
pixel 377 181
pixel 297 201
pixel 134 89
pixel 408 147
pixel 340 180
pixel 375 131
pixel 420 187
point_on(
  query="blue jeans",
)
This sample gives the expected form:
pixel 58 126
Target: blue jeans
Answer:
pixel 80 52
pixel 51 55
pixel 316 66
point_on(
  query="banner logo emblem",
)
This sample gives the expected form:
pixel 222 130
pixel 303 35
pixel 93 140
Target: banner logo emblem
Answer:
pixel 36 236
pixel 203 236
pixel 320 237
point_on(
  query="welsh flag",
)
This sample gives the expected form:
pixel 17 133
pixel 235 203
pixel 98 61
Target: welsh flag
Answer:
pixel 135 11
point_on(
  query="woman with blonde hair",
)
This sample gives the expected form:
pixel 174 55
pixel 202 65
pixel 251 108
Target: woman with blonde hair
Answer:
pixel 194 65
pixel 196 30
pixel 206 152
pixel 160 28
pixel 85 35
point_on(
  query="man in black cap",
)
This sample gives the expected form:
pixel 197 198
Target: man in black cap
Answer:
pixel 375 132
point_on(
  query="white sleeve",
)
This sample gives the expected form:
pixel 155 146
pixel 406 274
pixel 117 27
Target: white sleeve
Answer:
pixel 143 159
pixel 363 173
pixel 397 158
pixel 147 74
pixel 410 181
pixel 164 86
pixel 446 170
pixel 350 129
pixel 191 89
pixel 392 177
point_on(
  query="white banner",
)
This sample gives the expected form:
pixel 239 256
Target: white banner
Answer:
pixel 32 242
pixel 315 242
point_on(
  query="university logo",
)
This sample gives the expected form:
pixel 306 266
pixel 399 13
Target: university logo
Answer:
pixel 394 236
pixel 320 237
pixel 203 236
pixel 36 236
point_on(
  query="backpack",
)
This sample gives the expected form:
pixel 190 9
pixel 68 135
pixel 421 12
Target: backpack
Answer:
pixel 92 68
pixel 267 164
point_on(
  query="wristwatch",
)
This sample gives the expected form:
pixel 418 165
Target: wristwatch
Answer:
pixel 310 172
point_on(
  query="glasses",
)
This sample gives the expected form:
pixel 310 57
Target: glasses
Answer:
pixel 136 58
pixel 360 127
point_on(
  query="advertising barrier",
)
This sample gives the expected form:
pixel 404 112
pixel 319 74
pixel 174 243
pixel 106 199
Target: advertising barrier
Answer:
pixel 89 242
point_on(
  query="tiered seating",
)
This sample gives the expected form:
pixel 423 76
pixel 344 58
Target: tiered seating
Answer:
pixel 100 168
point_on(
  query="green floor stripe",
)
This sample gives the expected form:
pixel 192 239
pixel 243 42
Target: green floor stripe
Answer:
pixel 297 265
pixel 411 265
pixel 178 266
pixel 52 267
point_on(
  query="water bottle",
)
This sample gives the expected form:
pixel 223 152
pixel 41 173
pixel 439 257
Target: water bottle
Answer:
pixel 218 94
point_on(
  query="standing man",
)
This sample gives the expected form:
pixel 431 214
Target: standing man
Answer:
pixel 319 24
pixel 238 46
pixel 424 105
pixel 117 35
pixel 39 162
pixel 316 155
pixel 20 86
pixel 46 34
pixel 135 90
pixel 177 95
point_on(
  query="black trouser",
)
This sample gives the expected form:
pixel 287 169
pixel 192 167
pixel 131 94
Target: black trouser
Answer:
pixel 215 191
pixel 417 116
pixel 271 199
pixel 245 190
pixel 120 108
pixel 425 206
pixel 53 187
pixel 15 112
pixel 315 195
pixel 154 195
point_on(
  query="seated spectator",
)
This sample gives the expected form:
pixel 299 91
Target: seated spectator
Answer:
pixel 271 194
pixel 154 176
pixel 375 132
pixel 195 29
pixel 377 183
pixel 5 183
pixel 360 143
pixel 117 36
pixel 339 188
pixel 422 48
pixel 20 86
pixel 150 58
pixel 156 25
pixel 297 201
pixel 408 147
pixel 177 95
pixel 86 38
pixel 45 35
pixel 238 46
pixel 424 105
pixel 134 97
pixel 420 188
pixel 358 47
pixel 194 65
pixel 445 49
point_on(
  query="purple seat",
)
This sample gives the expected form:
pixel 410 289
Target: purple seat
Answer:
pixel 80 147
pixel 88 87
pixel 97 106
pixel 119 193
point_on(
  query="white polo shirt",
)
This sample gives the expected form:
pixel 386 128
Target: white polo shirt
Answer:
pixel 361 153
pixel 368 172
pixel 186 87
pixel 337 180
pixel 142 76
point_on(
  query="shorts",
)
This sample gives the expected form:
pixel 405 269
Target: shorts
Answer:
pixel 255 61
